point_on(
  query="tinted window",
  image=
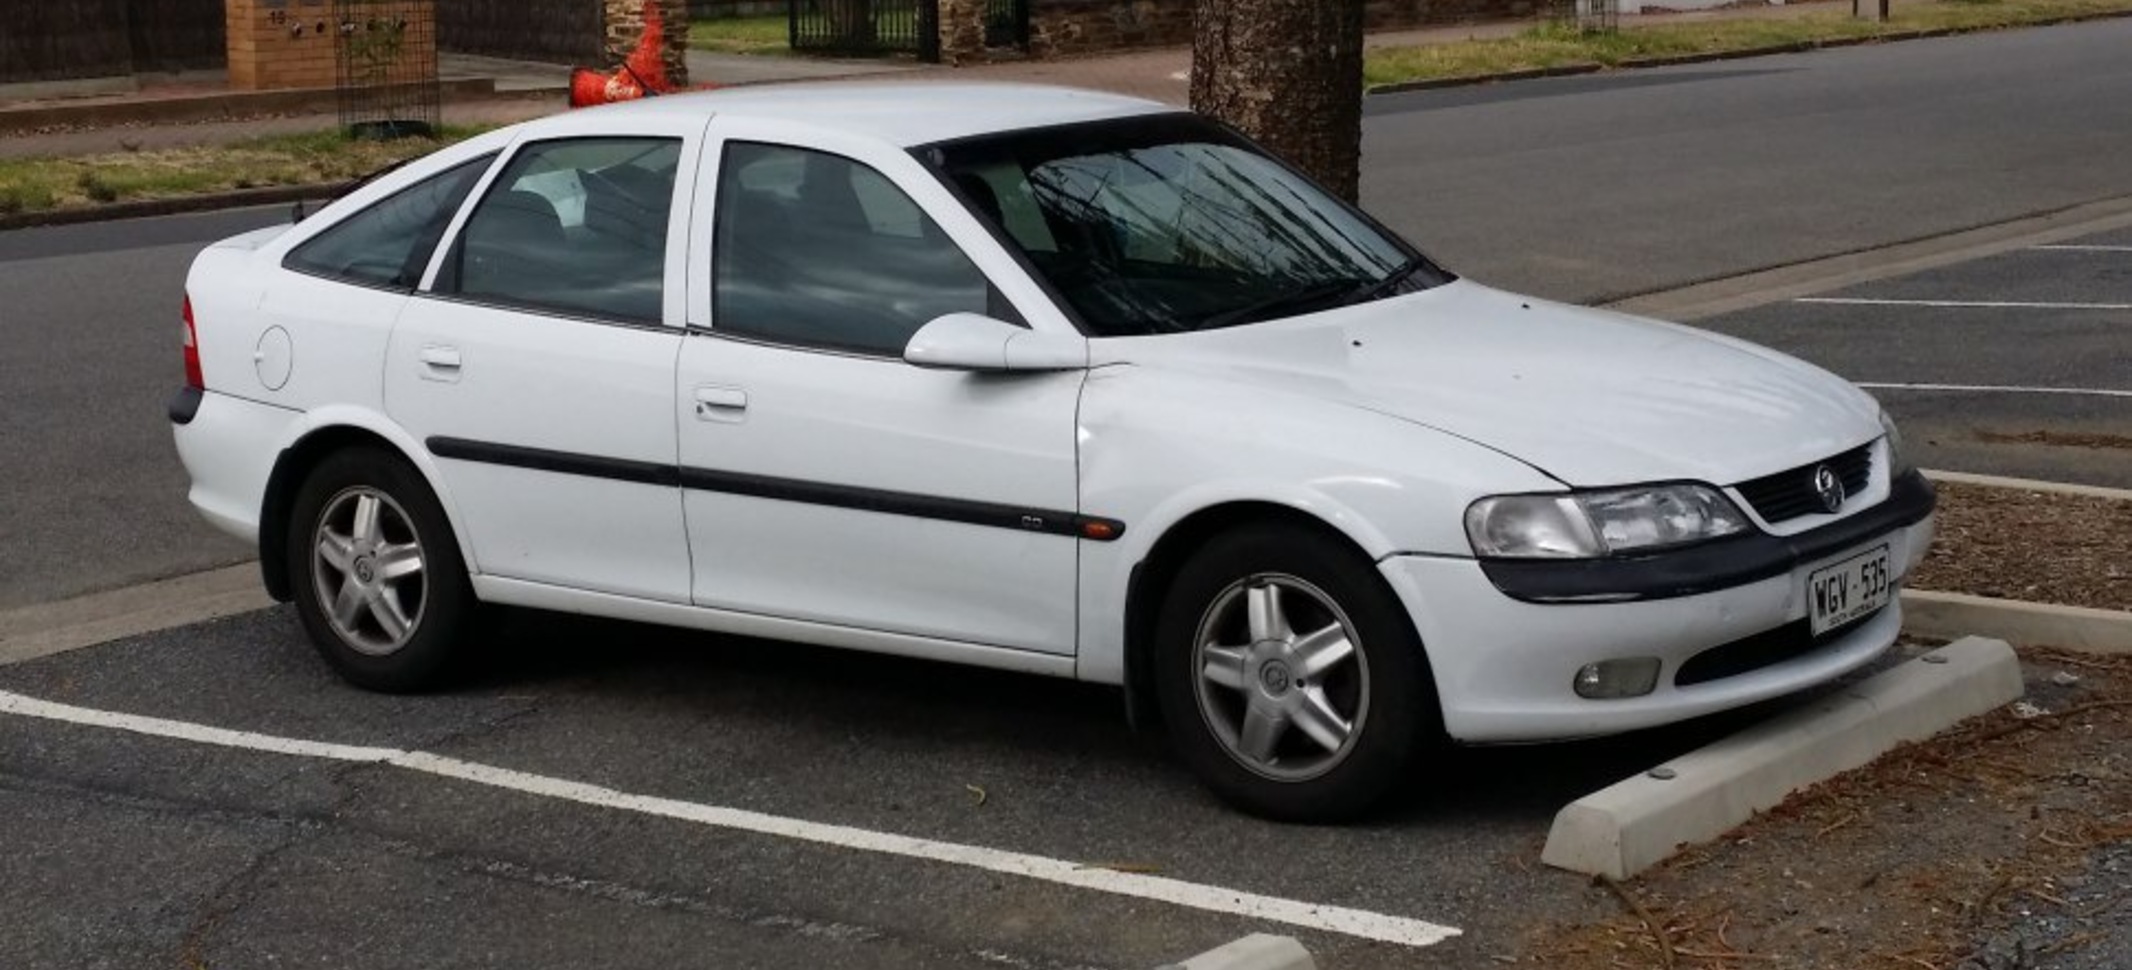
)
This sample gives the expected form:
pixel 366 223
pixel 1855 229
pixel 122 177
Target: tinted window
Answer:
pixel 818 250
pixel 577 226
pixel 389 244
pixel 1158 225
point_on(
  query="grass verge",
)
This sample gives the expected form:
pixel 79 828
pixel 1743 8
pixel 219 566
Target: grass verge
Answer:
pixel 43 184
pixel 1555 45
pixel 741 35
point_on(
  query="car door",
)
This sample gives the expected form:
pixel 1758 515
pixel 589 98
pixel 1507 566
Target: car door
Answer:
pixel 537 362
pixel 827 480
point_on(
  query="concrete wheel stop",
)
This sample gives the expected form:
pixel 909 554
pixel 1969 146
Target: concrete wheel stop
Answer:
pixel 1259 951
pixel 1636 823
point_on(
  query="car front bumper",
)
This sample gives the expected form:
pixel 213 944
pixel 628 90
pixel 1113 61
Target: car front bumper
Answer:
pixel 1505 660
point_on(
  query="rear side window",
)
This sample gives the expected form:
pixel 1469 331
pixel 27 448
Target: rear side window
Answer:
pixel 574 226
pixel 389 244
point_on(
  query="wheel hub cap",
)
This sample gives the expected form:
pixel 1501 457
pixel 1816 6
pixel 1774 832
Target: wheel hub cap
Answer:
pixel 1275 678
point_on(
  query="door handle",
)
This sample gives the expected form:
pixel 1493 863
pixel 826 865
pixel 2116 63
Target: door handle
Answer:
pixel 439 363
pixel 717 403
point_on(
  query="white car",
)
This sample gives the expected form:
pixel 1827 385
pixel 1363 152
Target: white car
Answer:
pixel 1036 379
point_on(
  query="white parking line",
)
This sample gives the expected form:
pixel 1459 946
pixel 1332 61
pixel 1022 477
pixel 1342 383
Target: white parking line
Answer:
pixel 1999 389
pixel 1176 892
pixel 2074 248
pixel 1962 304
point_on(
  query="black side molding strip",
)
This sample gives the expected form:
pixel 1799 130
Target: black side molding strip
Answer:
pixel 560 462
pixel 185 405
pixel 1710 566
pixel 853 497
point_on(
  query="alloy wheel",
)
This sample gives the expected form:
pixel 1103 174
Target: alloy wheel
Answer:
pixel 368 571
pixel 1281 679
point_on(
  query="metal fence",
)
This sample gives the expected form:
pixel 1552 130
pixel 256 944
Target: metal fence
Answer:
pixel 1007 23
pixel 563 31
pixel 866 27
pixel 178 35
pixel 42 41
pixel 386 60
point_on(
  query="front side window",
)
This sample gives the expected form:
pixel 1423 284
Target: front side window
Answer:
pixel 1168 224
pixel 575 226
pixel 817 250
pixel 389 244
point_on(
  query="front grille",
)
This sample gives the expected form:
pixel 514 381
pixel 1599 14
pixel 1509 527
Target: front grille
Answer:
pixel 1790 494
pixel 1795 639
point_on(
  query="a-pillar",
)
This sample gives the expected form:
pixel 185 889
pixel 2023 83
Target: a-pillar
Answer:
pixel 625 30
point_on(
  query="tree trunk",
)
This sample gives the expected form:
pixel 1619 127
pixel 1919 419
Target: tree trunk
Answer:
pixel 1289 74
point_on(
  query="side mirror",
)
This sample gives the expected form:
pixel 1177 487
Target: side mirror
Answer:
pixel 974 342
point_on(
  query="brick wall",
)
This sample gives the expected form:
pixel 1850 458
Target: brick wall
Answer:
pixel 625 29
pixel 277 44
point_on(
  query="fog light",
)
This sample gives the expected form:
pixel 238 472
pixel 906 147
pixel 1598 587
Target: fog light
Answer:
pixel 1627 677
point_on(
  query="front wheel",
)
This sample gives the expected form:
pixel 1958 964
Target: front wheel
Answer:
pixel 1290 677
pixel 379 582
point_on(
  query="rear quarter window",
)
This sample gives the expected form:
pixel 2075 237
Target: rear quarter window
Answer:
pixel 390 243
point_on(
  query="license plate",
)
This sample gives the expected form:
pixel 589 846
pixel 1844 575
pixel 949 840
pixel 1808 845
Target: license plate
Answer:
pixel 1848 590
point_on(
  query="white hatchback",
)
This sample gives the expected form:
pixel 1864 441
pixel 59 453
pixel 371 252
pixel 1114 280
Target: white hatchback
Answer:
pixel 1036 379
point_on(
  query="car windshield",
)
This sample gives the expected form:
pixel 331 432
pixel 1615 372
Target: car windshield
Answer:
pixel 1173 223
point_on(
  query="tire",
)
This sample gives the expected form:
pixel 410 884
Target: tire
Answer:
pixel 1260 699
pixel 408 605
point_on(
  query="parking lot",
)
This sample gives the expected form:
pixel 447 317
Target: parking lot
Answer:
pixel 298 854
pixel 2016 364
pixel 620 795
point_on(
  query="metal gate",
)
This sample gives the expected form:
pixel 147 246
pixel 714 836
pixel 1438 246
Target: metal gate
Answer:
pixel 1007 24
pixel 867 27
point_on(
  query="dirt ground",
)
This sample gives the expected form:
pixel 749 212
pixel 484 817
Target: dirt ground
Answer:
pixel 2005 844
pixel 2037 546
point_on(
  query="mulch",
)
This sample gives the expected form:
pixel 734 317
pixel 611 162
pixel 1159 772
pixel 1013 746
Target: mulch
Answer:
pixel 2045 547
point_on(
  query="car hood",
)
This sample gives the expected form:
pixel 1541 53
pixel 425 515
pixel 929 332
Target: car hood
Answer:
pixel 1589 397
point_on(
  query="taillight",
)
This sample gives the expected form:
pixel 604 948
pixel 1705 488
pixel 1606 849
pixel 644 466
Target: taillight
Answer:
pixel 193 376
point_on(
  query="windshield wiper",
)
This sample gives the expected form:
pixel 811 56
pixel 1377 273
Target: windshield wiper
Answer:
pixel 1332 293
pixel 1381 288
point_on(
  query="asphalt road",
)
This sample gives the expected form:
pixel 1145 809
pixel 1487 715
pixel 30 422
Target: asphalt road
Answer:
pixel 1596 187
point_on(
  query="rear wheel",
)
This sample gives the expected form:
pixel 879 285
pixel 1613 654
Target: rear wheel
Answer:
pixel 1290 677
pixel 379 582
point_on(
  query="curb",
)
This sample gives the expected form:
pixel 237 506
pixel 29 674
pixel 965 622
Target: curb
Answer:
pixel 1675 60
pixel 145 208
pixel 2077 628
pixel 2029 485
pixel 30 632
pixel 1255 952
pixel 1636 823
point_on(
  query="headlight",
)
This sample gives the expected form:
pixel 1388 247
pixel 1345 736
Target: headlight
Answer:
pixel 1584 525
pixel 1898 459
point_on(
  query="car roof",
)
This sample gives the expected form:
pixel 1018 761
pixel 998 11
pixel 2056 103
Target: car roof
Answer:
pixel 904 114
